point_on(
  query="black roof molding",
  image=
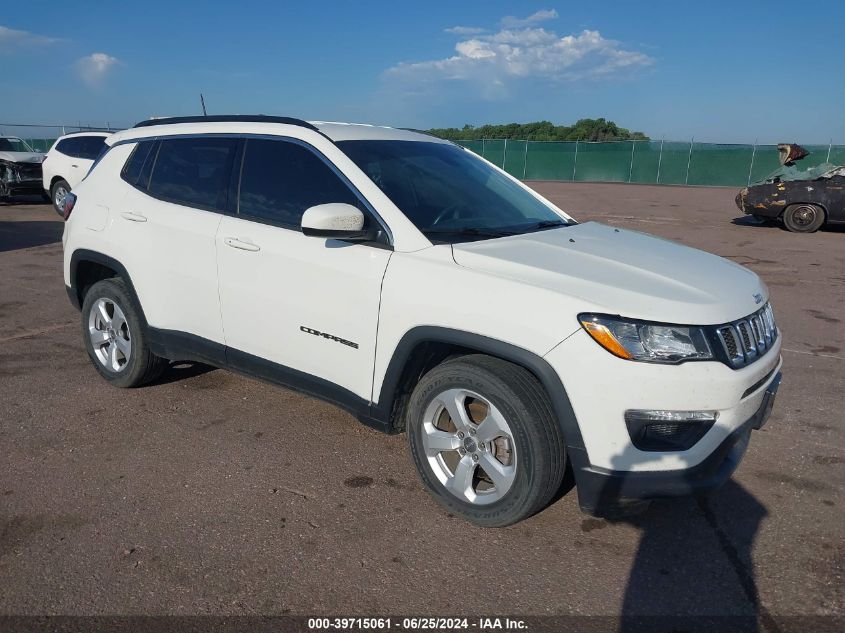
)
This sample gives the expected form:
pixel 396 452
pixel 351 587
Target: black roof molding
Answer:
pixel 227 118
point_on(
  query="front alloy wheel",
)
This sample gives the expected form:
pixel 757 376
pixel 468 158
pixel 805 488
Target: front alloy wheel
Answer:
pixel 469 446
pixel 485 440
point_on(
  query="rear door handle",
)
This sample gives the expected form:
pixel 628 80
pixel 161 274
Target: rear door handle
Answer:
pixel 134 217
pixel 74 165
pixel 244 246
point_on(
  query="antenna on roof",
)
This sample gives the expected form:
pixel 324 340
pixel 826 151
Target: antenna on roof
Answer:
pixel 202 102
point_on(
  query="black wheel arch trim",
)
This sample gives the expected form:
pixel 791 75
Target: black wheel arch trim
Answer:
pixel 485 345
pixel 81 255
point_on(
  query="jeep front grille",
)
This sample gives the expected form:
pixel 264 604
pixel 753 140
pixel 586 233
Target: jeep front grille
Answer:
pixel 747 339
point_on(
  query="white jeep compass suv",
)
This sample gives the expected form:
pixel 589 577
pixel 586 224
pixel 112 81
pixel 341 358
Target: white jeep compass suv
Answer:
pixel 423 289
pixel 67 163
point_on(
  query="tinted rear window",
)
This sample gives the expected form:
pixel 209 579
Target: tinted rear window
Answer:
pixel 66 146
pixel 87 147
pixel 132 168
pixel 280 180
pixel 193 171
pixel 90 146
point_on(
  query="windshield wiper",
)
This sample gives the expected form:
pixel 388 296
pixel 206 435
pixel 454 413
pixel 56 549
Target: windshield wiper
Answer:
pixel 547 224
pixel 470 231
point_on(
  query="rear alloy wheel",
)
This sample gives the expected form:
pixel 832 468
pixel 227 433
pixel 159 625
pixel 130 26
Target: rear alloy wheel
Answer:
pixel 803 218
pixel 485 441
pixel 58 193
pixel 115 338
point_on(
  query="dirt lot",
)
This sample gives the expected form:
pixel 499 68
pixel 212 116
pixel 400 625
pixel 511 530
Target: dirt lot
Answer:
pixel 211 493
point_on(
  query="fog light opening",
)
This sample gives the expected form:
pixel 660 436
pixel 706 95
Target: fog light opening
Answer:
pixel 662 430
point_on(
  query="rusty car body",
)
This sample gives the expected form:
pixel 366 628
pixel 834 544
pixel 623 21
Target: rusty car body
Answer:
pixel 803 199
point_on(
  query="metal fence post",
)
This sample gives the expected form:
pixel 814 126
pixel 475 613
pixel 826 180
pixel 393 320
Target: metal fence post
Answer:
pixel 631 168
pixel 505 154
pixel 660 160
pixel 575 163
pixel 689 160
pixel 482 148
pixel 525 161
pixel 751 166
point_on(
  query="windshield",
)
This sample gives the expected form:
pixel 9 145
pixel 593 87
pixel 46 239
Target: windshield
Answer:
pixel 448 193
pixel 13 144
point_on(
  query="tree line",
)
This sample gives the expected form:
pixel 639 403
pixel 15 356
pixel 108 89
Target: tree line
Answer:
pixel 582 130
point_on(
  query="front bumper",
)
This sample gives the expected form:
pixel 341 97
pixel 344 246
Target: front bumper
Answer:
pixel 764 200
pixel 599 488
pixel 22 188
pixel 20 179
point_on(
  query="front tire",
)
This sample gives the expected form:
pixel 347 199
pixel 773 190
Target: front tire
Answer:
pixel 485 441
pixel 58 192
pixel 115 338
pixel 803 218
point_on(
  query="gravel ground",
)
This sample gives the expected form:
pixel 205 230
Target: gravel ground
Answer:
pixel 210 493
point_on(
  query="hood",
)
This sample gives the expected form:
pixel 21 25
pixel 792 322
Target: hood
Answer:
pixel 622 272
pixel 22 157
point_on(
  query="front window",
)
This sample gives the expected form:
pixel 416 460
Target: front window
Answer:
pixel 14 144
pixel 448 193
pixel 280 180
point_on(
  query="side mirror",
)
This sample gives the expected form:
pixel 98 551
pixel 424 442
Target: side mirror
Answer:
pixel 336 220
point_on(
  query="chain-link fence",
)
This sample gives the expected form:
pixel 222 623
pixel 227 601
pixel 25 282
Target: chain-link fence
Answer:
pixel 651 162
pixel 41 137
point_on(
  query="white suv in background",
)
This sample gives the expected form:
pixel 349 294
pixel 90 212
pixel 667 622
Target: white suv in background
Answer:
pixel 420 287
pixel 68 161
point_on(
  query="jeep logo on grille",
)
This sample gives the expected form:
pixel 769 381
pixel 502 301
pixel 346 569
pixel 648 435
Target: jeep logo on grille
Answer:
pixel 758 298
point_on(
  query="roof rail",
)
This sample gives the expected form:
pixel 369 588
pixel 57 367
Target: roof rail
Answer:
pixel 227 118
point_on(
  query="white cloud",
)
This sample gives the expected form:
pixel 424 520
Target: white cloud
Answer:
pixel 94 68
pixel 464 30
pixel 12 39
pixel 543 15
pixel 523 53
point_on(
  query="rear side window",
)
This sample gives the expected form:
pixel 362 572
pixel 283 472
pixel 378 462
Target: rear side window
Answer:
pixel 87 147
pixel 133 167
pixel 66 146
pixel 90 146
pixel 194 172
pixel 280 180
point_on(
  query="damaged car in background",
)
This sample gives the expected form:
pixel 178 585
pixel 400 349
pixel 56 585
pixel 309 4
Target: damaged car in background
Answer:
pixel 803 199
pixel 20 168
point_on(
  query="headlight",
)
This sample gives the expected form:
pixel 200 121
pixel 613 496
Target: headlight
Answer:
pixel 649 342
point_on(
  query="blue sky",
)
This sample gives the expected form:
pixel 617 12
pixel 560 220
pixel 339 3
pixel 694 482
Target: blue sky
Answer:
pixel 719 71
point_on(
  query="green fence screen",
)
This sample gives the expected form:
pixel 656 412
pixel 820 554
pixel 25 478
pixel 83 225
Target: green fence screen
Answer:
pixel 40 144
pixel 648 162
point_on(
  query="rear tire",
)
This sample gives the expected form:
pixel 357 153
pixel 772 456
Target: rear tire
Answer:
pixel 505 426
pixel 58 191
pixel 803 218
pixel 115 337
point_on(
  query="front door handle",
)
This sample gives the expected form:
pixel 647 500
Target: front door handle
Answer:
pixel 133 217
pixel 241 244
